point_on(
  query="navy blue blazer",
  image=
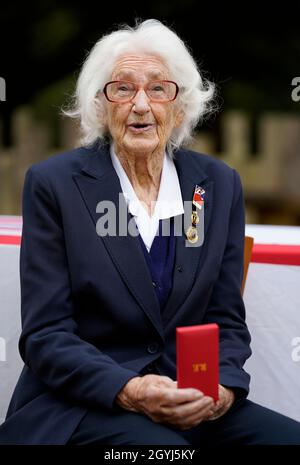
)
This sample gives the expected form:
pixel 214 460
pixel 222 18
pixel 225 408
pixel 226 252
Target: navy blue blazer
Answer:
pixel 90 317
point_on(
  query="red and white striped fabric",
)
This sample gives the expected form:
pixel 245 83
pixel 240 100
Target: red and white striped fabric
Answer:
pixel 278 245
pixel 10 230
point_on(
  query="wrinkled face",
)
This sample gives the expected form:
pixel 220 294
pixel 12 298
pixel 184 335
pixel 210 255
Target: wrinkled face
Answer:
pixel 158 119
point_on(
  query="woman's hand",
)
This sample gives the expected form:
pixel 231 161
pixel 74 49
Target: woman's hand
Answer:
pixel 226 399
pixel 159 398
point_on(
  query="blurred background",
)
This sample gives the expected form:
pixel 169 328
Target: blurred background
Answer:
pixel 252 55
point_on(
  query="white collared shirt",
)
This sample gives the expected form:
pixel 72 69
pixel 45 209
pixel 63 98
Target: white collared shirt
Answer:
pixel 169 200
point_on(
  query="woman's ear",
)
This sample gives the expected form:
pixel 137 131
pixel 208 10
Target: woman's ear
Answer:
pixel 100 112
pixel 179 118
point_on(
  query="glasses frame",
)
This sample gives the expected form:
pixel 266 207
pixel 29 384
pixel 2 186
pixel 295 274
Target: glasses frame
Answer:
pixel 137 87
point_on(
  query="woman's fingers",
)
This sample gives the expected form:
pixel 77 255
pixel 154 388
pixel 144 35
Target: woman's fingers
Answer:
pixel 187 414
pixel 189 408
pixel 180 396
pixel 162 401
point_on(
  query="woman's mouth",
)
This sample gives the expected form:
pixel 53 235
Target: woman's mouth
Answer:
pixel 140 127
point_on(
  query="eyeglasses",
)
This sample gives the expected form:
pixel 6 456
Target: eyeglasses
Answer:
pixel 125 91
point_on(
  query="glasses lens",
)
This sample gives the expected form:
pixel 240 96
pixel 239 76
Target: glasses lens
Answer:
pixel 120 90
pixel 162 91
pixel 124 91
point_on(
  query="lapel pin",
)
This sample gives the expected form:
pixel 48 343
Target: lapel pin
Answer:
pixel 198 199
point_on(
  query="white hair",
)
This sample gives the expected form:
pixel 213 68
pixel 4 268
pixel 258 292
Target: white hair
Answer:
pixel 151 37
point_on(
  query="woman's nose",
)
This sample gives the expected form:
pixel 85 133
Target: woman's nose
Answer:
pixel 141 102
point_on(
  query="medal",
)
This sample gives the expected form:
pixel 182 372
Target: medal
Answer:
pixel 198 202
pixel 192 235
pixel 195 217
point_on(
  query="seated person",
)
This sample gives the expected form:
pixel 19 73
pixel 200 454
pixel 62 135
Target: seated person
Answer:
pixel 100 306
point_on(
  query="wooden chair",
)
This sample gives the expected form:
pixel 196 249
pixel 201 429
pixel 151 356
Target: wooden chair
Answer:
pixel 247 257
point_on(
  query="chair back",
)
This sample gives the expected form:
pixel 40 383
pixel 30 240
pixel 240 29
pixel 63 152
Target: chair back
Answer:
pixel 247 258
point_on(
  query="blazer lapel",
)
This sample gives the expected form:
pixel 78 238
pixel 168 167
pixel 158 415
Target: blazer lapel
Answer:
pixel 188 258
pixel 97 182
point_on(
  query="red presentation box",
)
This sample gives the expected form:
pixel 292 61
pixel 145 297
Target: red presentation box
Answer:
pixel 197 351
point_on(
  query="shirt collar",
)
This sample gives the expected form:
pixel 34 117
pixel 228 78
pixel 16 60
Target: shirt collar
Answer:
pixel 169 201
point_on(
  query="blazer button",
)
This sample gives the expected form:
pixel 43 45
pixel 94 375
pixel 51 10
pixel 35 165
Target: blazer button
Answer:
pixel 150 367
pixel 153 348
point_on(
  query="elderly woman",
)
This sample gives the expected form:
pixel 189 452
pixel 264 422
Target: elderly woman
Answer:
pixel 100 306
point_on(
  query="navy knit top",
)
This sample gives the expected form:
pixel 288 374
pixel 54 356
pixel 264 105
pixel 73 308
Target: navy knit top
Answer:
pixel 160 260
